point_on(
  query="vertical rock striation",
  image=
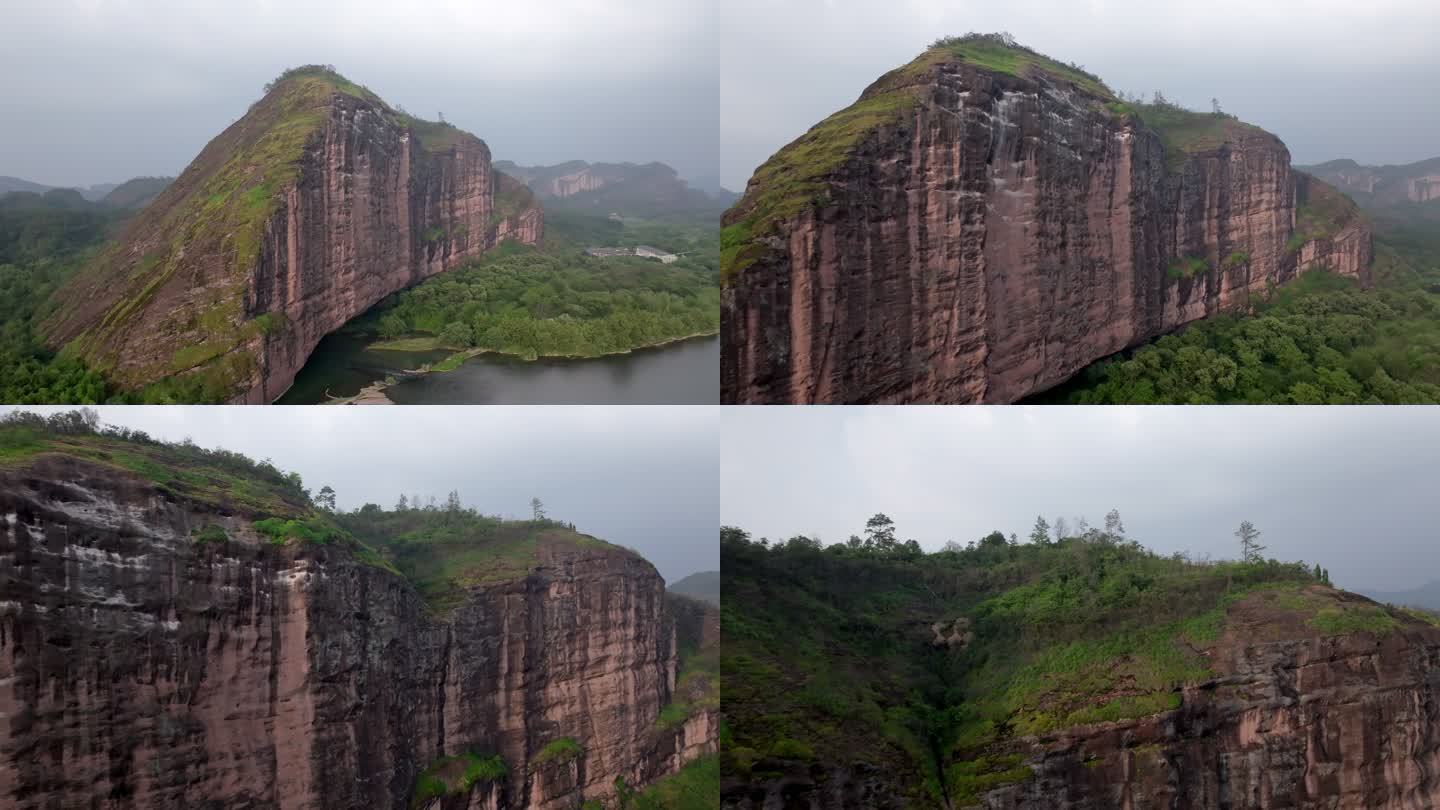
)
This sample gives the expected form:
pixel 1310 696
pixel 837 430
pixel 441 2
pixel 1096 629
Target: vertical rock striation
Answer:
pixel 981 235
pixel 307 211
pixel 142 668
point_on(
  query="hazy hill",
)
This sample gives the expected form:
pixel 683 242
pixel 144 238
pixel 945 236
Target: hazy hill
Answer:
pixel 704 585
pixel 649 190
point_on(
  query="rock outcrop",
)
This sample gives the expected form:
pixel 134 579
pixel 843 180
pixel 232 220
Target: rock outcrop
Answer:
pixel 1349 722
pixel 307 211
pixel 1382 186
pixel 972 233
pixel 145 666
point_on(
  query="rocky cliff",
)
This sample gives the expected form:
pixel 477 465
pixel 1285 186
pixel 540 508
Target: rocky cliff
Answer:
pixel 984 222
pixel 307 211
pixel 190 636
pixel 1381 186
pixel 1086 674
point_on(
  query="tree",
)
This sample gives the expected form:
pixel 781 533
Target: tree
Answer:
pixel 452 502
pixel 1082 526
pixel 402 505
pixel 1249 547
pixel 855 543
pixel 880 533
pixel 1040 535
pixel 994 540
pixel 326 499
pixel 537 508
pixel 1113 524
pixel 1062 530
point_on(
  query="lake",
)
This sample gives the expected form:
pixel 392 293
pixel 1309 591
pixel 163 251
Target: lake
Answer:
pixel 683 373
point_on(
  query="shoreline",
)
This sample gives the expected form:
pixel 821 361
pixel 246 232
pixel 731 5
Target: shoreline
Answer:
pixel 374 393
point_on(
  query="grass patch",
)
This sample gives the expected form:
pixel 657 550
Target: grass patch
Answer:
pixel 564 749
pixel 455 775
pixel 211 534
pixel 1187 267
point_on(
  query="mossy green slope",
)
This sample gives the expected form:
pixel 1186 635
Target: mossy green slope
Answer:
pixel 932 667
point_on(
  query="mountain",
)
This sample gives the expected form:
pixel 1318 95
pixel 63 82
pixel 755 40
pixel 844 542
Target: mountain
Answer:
pixel 171 604
pixel 704 586
pixel 1380 186
pixel 1425 597
pixel 136 193
pixel 986 221
pixel 9 184
pixel 320 201
pixel 1084 673
pixel 649 190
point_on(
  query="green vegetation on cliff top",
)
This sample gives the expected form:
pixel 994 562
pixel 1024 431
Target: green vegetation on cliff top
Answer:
pixel 445 550
pixel 933 666
pixel 796 178
pixel 219 206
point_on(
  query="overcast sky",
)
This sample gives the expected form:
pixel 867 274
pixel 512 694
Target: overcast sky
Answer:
pixel 104 90
pixel 641 476
pixel 1332 78
pixel 1352 488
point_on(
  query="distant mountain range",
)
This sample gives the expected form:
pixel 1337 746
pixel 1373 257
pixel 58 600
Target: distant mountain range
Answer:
pixel 1380 186
pixel 704 586
pixel 650 190
pixel 132 194
pixel 1426 596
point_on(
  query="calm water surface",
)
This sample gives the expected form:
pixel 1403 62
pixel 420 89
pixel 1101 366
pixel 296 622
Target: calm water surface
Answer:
pixel 678 374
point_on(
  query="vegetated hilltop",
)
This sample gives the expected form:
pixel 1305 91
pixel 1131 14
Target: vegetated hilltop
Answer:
pixel 703 585
pixel 1079 672
pixel 269 649
pixel 317 203
pixel 650 190
pixel 985 221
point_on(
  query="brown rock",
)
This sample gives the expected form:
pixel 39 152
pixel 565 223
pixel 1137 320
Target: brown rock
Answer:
pixel 140 668
pixel 998 236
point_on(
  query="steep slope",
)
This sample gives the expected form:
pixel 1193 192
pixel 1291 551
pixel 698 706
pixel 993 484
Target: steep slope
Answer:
pixel 985 221
pixel 1087 673
pixel 182 627
pixel 312 207
pixel 627 189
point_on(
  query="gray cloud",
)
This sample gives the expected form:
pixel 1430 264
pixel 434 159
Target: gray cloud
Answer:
pixel 641 476
pixel 103 90
pixel 1332 78
pixel 1350 488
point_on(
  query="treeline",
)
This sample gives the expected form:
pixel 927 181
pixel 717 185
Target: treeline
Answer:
pixel 530 303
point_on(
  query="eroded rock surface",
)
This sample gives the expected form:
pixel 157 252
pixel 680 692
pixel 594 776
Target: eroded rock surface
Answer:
pixel 141 668
pixel 998 236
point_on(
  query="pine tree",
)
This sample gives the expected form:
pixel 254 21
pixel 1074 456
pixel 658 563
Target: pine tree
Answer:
pixel 1040 535
pixel 1249 547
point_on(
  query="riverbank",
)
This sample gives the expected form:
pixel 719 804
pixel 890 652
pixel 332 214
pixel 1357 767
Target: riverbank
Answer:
pixel 375 392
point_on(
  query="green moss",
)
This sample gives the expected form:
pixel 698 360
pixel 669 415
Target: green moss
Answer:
pixel 1236 259
pixel 312 529
pixel 1337 621
pixel 455 775
pixel 1187 267
pixel 994 53
pixel 966 781
pixel 564 749
pixel 791 749
pixel 211 534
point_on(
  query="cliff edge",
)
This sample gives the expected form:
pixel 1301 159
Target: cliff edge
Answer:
pixel 985 221
pixel 317 203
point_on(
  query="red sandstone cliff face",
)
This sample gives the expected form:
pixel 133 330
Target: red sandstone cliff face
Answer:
pixel 141 669
pixel 997 238
pixel 374 212
pixel 307 211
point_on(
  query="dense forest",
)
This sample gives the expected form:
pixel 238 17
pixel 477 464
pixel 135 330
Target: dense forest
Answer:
pixel 558 301
pixel 1319 340
pixel 927 666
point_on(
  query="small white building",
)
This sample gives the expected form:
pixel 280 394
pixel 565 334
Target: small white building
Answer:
pixel 655 253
